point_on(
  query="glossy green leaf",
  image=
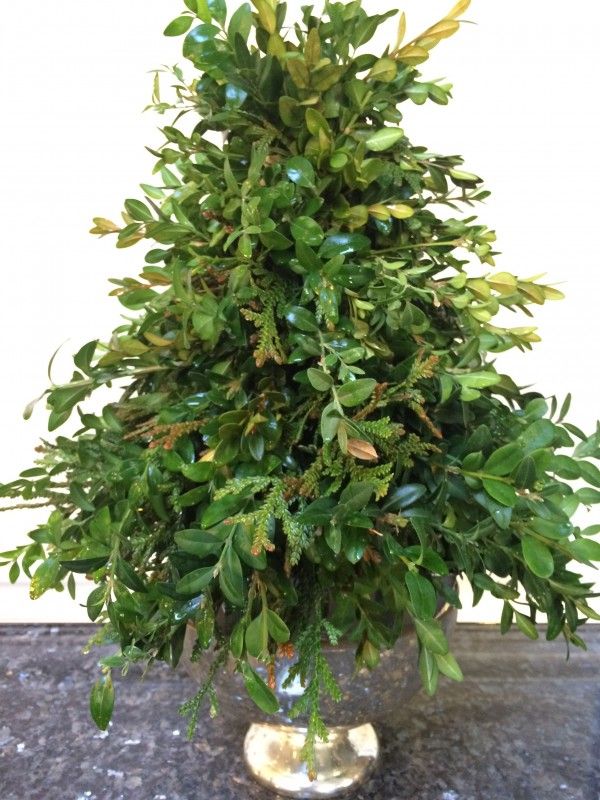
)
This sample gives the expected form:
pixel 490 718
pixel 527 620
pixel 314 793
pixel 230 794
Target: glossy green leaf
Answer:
pixel 584 549
pixel 356 392
pixel 196 581
pixel 384 139
pixel 257 636
pixel 278 630
pixel 449 666
pixel 428 670
pixel 422 594
pixel 197 542
pixel 302 318
pixel 258 690
pixel 102 701
pixel 504 493
pixel 538 557
pixel 526 626
pixel 341 244
pixel 319 380
pixel 431 635
pixel 231 578
pixel 300 171
pixel 178 26
pixel 199 472
pixel 308 231
pixel 504 460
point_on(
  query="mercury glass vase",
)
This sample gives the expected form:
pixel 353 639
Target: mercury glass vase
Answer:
pixel 272 743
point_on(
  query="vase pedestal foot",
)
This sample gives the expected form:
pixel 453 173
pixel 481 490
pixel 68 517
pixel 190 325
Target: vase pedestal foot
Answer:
pixel 272 756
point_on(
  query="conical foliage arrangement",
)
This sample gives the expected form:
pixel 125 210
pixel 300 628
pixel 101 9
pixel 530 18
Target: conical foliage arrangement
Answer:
pixel 314 433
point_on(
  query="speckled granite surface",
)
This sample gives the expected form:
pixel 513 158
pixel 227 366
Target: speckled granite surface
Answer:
pixel 525 725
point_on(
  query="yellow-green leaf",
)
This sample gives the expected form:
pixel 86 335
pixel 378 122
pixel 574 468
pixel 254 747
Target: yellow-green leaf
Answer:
pixel 384 139
pixel 412 54
pixel 266 15
pixel 401 30
pixel 384 70
pixel 458 9
pixel 312 49
pixel 401 211
pixel 298 72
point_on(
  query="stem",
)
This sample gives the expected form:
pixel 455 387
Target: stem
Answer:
pixel 92 382
pixel 420 246
pixel 27 505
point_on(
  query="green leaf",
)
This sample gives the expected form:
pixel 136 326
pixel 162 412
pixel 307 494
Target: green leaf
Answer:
pixel 278 630
pixel 95 602
pixel 102 701
pixel 404 496
pixel 537 556
pixel 242 541
pixel 462 178
pixel 194 582
pixel 526 626
pixel 449 666
pixel 218 10
pixel 199 472
pixel 342 244
pixel 138 210
pixel 219 510
pixel 384 139
pixel 539 434
pixel 319 380
pixel 300 171
pixel 83 358
pixel 205 317
pixel 503 460
pixel 240 22
pixel 502 492
pixel 355 392
pixel 45 577
pixel 302 318
pixel 236 640
pixel 431 635
pixel 428 670
pixel 79 497
pixel 231 578
pixel 85 565
pixel 275 240
pixel 589 472
pixel 584 549
pixel 199 45
pixel 316 123
pixel 422 594
pixel 178 26
pixel 198 543
pixel 588 496
pixel 128 576
pixel 356 495
pixel 257 636
pixel 258 690
pixel 306 230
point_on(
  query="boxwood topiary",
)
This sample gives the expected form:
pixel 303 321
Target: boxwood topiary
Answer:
pixel 312 430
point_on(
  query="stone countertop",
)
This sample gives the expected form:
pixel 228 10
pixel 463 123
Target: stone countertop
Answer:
pixel 525 725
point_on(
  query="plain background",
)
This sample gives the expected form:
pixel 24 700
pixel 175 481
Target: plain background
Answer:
pixel 74 79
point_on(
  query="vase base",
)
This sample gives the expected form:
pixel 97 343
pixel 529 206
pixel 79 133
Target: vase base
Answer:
pixel 272 756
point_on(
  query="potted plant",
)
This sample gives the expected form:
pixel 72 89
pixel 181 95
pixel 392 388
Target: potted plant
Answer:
pixel 313 435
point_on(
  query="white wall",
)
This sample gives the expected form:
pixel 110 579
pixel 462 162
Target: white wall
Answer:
pixel 74 78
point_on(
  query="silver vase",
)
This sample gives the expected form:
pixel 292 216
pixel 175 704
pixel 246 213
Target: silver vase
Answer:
pixel 273 742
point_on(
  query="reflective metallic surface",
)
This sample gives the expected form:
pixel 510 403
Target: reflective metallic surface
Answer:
pixel 368 696
pixel 272 756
